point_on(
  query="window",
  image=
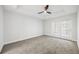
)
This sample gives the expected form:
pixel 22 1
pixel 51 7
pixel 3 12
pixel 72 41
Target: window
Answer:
pixel 62 29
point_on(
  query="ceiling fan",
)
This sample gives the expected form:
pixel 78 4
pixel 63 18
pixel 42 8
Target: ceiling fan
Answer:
pixel 45 10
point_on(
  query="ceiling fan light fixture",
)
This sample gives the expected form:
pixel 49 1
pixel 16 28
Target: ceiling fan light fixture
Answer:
pixel 45 11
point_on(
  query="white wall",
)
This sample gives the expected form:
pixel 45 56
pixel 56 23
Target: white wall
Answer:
pixel 78 27
pixel 1 28
pixel 19 27
pixel 48 23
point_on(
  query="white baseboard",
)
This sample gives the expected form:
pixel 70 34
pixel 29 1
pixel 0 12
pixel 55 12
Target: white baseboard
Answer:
pixel 62 38
pixel 1 48
pixel 22 39
pixel 26 39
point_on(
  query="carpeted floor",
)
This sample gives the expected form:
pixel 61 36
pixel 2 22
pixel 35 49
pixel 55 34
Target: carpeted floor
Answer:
pixel 42 45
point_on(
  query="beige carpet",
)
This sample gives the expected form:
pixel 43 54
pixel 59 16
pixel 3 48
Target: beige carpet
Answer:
pixel 41 45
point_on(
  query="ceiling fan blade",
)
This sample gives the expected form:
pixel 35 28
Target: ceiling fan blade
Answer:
pixel 46 7
pixel 49 12
pixel 40 12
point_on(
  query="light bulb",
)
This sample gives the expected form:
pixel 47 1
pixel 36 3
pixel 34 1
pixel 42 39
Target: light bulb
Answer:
pixel 45 11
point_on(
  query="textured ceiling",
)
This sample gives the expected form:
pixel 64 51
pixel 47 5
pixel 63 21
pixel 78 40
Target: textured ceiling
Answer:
pixel 32 10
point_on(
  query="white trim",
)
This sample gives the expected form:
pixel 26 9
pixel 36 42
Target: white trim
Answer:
pixel 22 39
pixel 1 48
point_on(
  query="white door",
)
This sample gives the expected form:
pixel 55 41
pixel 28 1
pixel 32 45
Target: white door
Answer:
pixel 1 28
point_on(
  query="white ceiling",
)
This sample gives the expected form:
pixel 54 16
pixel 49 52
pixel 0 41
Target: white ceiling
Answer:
pixel 32 10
